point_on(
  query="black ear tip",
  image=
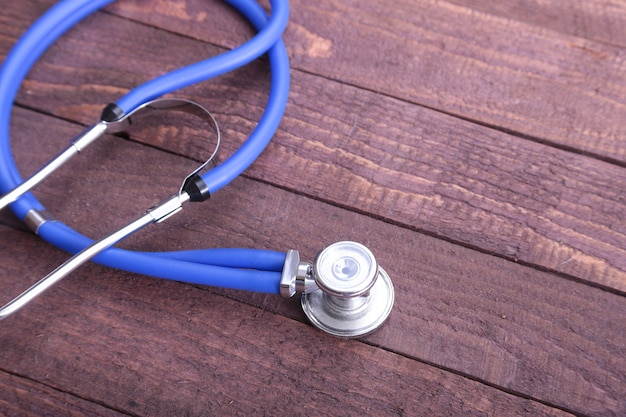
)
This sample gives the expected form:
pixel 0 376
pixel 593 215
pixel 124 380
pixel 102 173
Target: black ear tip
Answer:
pixel 197 189
pixel 112 113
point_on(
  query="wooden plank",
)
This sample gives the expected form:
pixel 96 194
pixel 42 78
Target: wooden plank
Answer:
pixel 558 89
pixel 593 20
pixel 529 332
pixel 22 397
pixel 457 180
pixel 545 90
pixel 397 161
pixel 163 348
pixel 539 369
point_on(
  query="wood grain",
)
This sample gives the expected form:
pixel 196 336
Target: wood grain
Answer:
pixel 22 397
pixel 165 348
pixel 567 91
pixel 513 327
pixel 418 134
pixel 411 166
pixel 557 89
pixel 598 21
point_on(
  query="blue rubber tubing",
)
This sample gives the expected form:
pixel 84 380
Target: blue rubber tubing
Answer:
pixel 246 269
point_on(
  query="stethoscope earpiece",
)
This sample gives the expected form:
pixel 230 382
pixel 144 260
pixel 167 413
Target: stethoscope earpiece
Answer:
pixel 344 292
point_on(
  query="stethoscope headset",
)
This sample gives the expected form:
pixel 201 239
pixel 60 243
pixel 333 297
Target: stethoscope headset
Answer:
pixel 344 291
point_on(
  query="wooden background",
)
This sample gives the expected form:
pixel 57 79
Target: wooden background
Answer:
pixel 478 147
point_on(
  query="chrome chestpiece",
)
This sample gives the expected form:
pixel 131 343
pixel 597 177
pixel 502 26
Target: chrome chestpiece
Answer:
pixel 344 291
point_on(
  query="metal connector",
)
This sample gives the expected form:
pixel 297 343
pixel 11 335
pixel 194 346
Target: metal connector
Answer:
pixel 34 219
pixel 296 276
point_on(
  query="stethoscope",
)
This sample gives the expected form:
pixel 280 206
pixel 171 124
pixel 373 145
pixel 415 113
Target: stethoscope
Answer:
pixel 344 291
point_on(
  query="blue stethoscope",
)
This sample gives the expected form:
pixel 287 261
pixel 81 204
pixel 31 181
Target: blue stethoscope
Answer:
pixel 344 291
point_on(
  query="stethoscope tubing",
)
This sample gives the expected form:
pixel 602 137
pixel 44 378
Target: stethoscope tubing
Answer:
pixel 61 17
pixel 253 270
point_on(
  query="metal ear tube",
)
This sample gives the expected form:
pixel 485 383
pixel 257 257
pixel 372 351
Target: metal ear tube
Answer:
pixel 188 192
pixel 344 291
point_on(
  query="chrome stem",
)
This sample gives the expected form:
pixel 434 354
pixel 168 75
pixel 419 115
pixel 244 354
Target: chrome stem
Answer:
pixel 156 214
pixel 95 131
pixel 193 188
pixel 75 147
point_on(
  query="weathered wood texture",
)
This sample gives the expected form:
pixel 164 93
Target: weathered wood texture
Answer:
pixel 215 356
pixel 380 155
pixel 598 21
pixel 23 397
pixel 371 149
pixel 464 304
pixel 500 72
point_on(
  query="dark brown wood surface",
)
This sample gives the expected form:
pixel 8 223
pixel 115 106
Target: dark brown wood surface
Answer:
pixel 478 149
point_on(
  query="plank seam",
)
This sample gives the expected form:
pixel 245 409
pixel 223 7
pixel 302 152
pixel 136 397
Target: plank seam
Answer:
pixel 409 357
pixel 482 382
pixel 370 215
pixel 432 234
pixel 378 92
pixel 510 132
pixel 61 391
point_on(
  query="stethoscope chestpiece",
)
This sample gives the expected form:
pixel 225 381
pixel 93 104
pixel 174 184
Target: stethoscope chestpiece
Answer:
pixel 344 292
